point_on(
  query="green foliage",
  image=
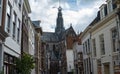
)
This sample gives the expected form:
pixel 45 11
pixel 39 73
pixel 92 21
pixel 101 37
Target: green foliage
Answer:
pixel 25 64
pixel 2 72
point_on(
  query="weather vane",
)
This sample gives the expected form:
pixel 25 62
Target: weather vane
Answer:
pixel 59 8
pixel 59 3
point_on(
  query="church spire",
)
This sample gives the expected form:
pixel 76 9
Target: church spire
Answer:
pixel 59 22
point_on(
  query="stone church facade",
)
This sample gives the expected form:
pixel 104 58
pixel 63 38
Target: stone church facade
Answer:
pixel 55 47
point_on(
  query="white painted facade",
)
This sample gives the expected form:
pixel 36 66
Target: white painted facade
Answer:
pixel 12 46
pixel 108 57
pixel 77 49
pixel 70 60
pixel 31 30
pixel 105 63
pixel 87 61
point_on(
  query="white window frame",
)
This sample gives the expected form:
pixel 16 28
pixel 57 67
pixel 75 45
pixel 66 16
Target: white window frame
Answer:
pixel 109 6
pixel 9 12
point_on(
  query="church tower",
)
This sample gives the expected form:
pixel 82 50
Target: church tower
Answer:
pixel 59 23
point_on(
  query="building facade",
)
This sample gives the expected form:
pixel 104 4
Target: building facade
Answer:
pixel 25 27
pixel 103 35
pixel 105 42
pixel 70 39
pixel 86 37
pixel 78 55
pixel 12 46
pixel 38 50
pixel 31 35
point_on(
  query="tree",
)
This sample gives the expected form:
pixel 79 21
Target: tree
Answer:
pixel 25 64
pixel 1 72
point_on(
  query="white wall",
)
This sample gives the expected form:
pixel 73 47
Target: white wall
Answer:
pixel 107 58
pixel 12 47
pixel 76 49
pixel 31 34
pixel 70 60
pixel 31 38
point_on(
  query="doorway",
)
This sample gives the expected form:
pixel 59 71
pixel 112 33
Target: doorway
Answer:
pixel 106 68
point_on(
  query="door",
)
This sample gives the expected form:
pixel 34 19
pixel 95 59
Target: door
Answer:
pixel 106 69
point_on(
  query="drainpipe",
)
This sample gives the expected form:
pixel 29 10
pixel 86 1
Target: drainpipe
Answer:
pixel 91 58
pixel 2 55
pixel 118 26
pixel 2 24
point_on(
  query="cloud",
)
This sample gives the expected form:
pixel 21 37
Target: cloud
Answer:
pixel 80 15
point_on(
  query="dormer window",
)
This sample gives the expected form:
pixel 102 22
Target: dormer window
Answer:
pixel 19 4
pixel 15 1
pixel 114 4
pixel 103 11
pixel 109 6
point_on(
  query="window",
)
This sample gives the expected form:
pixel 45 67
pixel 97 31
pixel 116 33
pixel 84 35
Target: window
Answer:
pixel 114 5
pixel 94 47
pixel 19 4
pixel 18 30
pixel 14 24
pixel 9 64
pixel 102 13
pixel 114 39
pixel 8 17
pixel 84 48
pixel 88 45
pixel 14 17
pixel 105 10
pixel 110 6
pixel 15 1
pixel 102 46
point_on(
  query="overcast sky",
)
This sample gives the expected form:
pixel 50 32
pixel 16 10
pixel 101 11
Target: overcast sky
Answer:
pixel 78 12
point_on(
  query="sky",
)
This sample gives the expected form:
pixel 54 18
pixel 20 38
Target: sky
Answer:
pixel 79 13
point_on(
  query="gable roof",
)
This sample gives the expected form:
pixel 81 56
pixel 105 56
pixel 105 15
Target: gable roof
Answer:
pixel 69 31
pixel 49 37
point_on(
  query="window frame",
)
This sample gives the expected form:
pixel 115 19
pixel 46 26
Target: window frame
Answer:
pixel 94 47
pixel 14 24
pixel 102 44
pixel 18 30
pixel 9 12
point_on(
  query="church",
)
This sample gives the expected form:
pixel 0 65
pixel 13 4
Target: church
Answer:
pixel 56 45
